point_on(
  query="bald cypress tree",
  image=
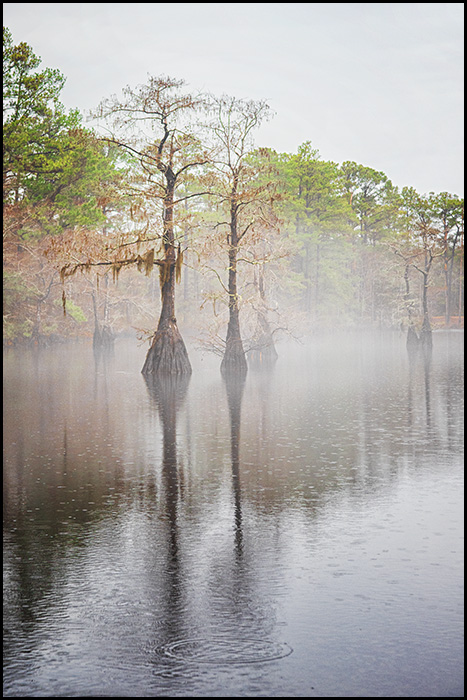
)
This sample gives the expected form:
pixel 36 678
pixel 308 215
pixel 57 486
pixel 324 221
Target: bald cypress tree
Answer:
pixel 153 125
pixel 245 197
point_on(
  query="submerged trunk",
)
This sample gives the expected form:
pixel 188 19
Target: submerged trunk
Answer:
pixel 234 360
pixel 413 341
pixel 167 354
pixel 264 353
pixel 426 340
pixel 103 336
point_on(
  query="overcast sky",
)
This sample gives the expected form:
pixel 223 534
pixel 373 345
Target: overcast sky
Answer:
pixel 377 83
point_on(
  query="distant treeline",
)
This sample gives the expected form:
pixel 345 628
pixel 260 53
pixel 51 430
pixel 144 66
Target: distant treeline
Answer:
pixel 173 182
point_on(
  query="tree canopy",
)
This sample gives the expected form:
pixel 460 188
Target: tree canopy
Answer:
pixel 170 178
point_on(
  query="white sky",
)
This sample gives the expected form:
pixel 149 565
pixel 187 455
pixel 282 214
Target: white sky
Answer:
pixel 377 83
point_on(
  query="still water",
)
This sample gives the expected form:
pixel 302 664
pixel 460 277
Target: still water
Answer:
pixel 297 535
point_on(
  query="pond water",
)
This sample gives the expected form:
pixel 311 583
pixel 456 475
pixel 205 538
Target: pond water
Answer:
pixel 298 535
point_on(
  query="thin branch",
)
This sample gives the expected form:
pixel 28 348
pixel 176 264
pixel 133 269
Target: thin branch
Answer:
pixel 245 231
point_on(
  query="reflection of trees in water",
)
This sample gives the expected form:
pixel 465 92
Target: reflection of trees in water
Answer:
pixel 237 596
pixel 234 386
pixel 294 437
pixel 168 394
pixel 103 357
pixel 419 358
pixel 389 421
pixel 55 488
pixel 263 382
pixel 223 599
pixel 452 389
pixel 197 588
pixel 427 377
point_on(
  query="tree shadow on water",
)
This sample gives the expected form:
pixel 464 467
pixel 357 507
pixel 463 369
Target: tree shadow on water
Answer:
pixel 235 384
pixel 167 395
pixel 420 357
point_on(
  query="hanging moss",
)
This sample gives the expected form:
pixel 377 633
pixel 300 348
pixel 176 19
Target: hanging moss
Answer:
pixel 178 265
pixel 64 273
pixel 116 267
pixel 68 271
pixel 149 262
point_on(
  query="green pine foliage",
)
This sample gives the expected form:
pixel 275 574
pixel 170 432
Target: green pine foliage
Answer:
pixel 346 246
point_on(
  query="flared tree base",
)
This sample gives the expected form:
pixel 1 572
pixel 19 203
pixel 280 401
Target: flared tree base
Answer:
pixel 413 341
pixel 103 337
pixel 167 355
pixel 422 342
pixel 426 336
pixel 263 353
pixel 264 357
pixel 234 361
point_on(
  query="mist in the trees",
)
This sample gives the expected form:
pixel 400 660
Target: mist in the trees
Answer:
pixel 233 390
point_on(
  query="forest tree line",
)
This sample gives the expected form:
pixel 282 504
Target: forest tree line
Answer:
pixel 247 242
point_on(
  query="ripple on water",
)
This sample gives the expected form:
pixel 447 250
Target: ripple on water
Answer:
pixel 225 651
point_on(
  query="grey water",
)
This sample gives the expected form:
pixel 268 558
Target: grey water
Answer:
pixel 296 535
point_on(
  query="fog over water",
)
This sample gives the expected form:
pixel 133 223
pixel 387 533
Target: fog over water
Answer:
pixel 297 534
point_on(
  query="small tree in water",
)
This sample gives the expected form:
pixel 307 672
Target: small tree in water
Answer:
pixel 151 123
pixel 246 200
pixel 420 251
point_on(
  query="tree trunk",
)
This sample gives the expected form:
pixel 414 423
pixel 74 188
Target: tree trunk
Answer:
pixel 103 336
pixel 36 331
pixel 426 339
pixel 448 270
pixel 413 341
pixel 264 353
pixel 234 360
pixel 167 354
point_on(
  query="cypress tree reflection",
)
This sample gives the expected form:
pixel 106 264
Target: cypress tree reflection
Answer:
pixel 421 357
pixel 235 384
pixel 427 373
pixel 168 394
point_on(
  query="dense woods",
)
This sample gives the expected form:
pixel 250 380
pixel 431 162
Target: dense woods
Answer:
pixel 248 243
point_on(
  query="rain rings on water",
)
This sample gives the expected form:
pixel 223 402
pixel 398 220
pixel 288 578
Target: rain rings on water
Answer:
pixel 222 651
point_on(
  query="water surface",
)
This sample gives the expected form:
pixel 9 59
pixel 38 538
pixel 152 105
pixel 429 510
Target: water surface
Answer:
pixel 299 534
